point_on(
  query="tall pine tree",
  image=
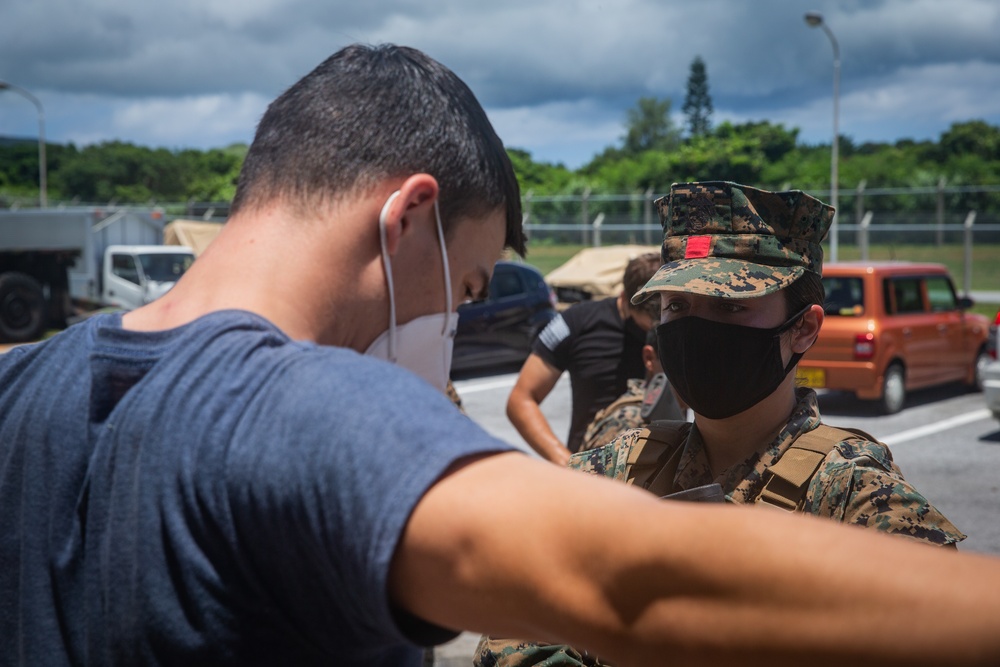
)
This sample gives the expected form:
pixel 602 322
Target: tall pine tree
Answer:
pixel 697 102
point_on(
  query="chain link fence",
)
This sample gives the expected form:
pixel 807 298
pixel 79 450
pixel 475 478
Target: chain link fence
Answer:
pixel 953 224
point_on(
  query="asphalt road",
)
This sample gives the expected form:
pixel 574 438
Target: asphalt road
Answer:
pixel 945 441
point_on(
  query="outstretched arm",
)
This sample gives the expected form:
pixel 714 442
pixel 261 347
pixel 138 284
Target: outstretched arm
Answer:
pixel 634 579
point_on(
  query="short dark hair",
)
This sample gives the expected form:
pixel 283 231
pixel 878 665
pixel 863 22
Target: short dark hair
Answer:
pixel 638 271
pixel 805 291
pixel 368 113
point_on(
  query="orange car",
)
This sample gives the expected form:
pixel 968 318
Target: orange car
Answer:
pixel 892 327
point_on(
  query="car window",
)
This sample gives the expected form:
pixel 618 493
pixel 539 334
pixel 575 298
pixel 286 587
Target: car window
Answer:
pixel 164 266
pixel 906 296
pixel 844 296
pixel 505 284
pixel 940 293
pixel 123 266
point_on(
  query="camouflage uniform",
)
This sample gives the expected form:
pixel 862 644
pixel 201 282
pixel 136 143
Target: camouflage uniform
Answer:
pixel 857 483
pixel 624 414
pixel 727 240
pixel 452 394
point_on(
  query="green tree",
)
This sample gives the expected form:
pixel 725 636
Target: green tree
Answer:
pixel 538 177
pixel 697 102
pixel 974 137
pixel 648 126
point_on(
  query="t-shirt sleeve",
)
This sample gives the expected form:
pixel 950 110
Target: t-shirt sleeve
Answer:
pixel 554 342
pixel 322 497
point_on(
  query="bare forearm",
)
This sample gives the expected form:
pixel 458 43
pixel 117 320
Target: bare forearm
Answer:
pixel 757 587
pixel 526 416
pixel 563 558
pixel 536 380
pixel 536 431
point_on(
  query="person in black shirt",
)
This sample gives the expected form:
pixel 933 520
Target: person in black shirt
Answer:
pixel 600 344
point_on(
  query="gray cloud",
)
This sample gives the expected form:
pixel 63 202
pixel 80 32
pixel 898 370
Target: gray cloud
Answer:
pixel 558 74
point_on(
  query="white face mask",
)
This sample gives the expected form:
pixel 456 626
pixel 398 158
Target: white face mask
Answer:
pixel 422 345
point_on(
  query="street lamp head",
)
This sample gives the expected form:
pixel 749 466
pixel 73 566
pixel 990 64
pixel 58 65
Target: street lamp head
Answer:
pixel 813 19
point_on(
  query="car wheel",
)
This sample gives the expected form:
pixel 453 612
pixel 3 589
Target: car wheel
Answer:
pixel 982 360
pixel 893 389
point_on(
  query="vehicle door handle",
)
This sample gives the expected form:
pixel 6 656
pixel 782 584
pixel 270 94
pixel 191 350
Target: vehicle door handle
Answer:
pixel 907 332
pixel 942 328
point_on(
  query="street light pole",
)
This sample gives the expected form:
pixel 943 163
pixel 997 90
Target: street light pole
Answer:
pixel 813 20
pixel 43 196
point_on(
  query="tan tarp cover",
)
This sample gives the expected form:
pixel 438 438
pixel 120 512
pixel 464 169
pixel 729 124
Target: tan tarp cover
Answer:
pixel 597 270
pixel 192 233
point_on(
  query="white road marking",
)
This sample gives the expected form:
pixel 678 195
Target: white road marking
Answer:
pixel 937 427
pixel 474 386
pixel 506 383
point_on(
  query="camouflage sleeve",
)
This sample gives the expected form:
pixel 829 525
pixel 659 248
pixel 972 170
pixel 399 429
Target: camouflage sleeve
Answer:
pixel 858 483
pixel 606 427
pixel 452 393
pixel 513 653
pixel 609 460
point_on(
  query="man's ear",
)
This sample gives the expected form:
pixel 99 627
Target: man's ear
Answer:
pixel 649 359
pixel 805 332
pixel 414 201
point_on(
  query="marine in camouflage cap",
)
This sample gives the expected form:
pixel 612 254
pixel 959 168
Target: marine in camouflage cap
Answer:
pixel 724 239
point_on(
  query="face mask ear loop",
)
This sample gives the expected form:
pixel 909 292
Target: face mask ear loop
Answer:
pixel 797 356
pixel 387 265
pixel 447 271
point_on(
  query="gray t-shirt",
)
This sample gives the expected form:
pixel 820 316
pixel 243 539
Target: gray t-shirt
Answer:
pixel 216 494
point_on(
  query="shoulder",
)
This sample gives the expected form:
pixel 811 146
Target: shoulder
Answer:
pixel 69 349
pixel 623 414
pixel 554 333
pixel 859 483
pixel 860 451
pixel 856 454
pixel 592 313
pixel 343 389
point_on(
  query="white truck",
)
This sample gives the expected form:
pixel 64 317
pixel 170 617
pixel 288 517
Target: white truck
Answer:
pixel 56 264
pixel 134 275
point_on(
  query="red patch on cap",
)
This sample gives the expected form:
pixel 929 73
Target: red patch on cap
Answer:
pixel 697 247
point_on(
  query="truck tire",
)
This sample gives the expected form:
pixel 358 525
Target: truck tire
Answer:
pixel 22 308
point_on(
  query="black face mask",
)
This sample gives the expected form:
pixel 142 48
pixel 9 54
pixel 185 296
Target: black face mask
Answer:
pixel 722 369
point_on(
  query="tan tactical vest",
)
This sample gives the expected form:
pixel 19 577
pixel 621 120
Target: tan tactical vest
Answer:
pixel 655 456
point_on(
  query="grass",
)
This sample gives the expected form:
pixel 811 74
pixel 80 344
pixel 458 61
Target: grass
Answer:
pixel 545 257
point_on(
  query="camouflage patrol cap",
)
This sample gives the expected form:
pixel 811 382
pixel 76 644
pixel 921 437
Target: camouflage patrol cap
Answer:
pixel 729 240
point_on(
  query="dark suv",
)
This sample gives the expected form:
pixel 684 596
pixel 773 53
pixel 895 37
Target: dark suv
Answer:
pixel 498 330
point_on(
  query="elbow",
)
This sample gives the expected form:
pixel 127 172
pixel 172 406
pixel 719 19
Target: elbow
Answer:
pixel 515 405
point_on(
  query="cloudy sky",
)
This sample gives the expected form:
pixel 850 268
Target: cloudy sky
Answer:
pixel 556 76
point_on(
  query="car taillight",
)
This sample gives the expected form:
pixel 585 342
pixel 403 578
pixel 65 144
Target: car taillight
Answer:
pixel 864 346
